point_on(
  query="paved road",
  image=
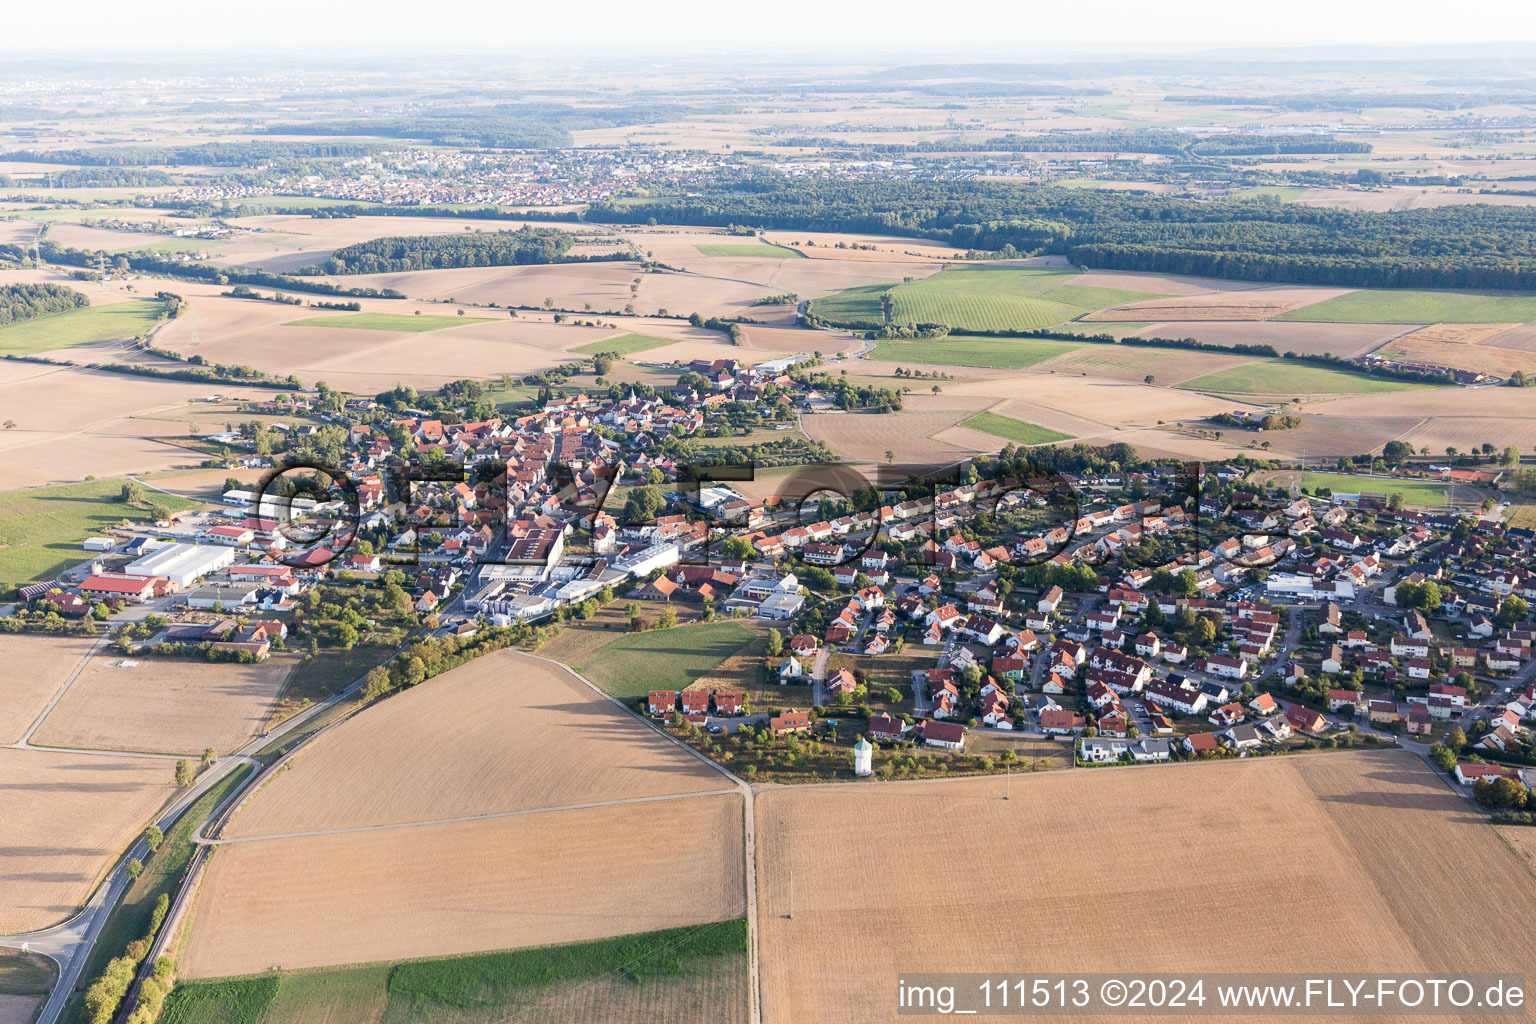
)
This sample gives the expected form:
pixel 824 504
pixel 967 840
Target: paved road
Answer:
pixel 819 678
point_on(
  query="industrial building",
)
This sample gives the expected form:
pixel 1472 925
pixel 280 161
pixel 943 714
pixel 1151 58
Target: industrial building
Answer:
pixel 182 564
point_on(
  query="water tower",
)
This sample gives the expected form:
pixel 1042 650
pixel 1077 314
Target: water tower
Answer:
pixel 863 757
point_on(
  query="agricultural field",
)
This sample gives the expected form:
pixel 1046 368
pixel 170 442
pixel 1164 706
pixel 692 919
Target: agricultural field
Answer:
pixel 959 350
pixel 386 322
pixel 35 668
pixel 43 528
pixel 1279 377
pixel 25 981
pixel 1406 306
pixel 468 886
pixel 127 319
pixel 624 345
pixel 1010 429
pixel 993 298
pixel 1250 304
pixel 866 437
pixel 535 720
pixel 1415 492
pixel 164 705
pixel 569 285
pixel 776 252
pixel 675 974
pixel 630 664
pixel 68 816
pixel 860 303
pixel 1311 339
pixel 1333 845
pixel 1463 347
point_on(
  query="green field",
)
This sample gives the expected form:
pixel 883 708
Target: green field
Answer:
pixel 1011 429
pixel 25 974
pixel 994 298
pixel 653 969
pixel 1279 377
pixel 625 344
pixel 861 303
pixel 387 322
pixel 959 350
pixel 1284 193
pixel 769 252
pixel 1415 492
pixel 80 327
pixel 1394 306
pixel 662 659
pixel 41 529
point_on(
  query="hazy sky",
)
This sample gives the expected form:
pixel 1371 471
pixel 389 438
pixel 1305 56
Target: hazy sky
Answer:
pixel 1024 28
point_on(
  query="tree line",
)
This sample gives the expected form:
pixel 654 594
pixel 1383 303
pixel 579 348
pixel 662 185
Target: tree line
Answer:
pixel 433 252
pixel 1473 246
pixel 20 302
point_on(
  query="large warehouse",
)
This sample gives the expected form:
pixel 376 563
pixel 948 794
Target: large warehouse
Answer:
pixel 182 564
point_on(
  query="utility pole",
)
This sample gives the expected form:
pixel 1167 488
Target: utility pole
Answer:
pixel 791 894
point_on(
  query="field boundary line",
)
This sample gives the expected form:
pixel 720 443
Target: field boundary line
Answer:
pixel 749 834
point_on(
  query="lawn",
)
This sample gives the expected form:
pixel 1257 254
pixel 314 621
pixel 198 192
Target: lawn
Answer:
pixel 625 344
pixel 129 920
pixel 1011 429
pixel 25 974
pixel 1281 377
pixel 664 659
pixel 387 322
pixel 1521 515
pixel 41 530
pixel 476 987
pixel 771 252
pixel 1415 492
pixel 1402 306
pixel 80 327
pixel 959 350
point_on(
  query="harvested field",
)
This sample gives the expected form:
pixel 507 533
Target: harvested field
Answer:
pixel 1333 845
pixel 865 437
pixel 35 668
pixel 1440 346
pixel 67 818
pixel 1444 416
pixel 1453 334
pixel 1307 339
pixel 438 890
pixel 1135 362
pixel 570 285
pixel 1091 405
pixel 1522 338
pixel 533 721
pixel 19 1009
pixel 164 705
pixel 1257 304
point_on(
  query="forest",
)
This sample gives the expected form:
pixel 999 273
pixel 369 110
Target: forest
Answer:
pixel 434 252
pixel 29 301
pixel 1474 246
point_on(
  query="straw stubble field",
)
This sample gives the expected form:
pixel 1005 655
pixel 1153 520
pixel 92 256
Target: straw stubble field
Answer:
pixel 1329 862
pixel 66 816
pixel 584 824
